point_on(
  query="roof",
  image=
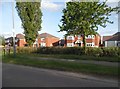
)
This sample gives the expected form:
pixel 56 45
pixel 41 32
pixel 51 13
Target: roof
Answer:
pixel 111 38
pixel 118 33
pixel 105 38
pixel 20 36
pixel 45 35
pixel 114 38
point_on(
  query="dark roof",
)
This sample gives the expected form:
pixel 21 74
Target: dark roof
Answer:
pixel 45 35
pixel 118 33
pixel 111 38
pixel 20 36
pixel 105 38
pixel 9 38
pixel 114 38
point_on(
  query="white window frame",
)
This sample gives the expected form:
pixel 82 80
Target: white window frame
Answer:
pixel 70 37
pixel 70 44
pixel 90 44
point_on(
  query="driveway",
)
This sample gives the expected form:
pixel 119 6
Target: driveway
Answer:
pixel 23 76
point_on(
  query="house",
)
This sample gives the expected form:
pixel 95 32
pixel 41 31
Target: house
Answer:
pixel 112 41
pixel 20 40
pixel 91 41
pixel 9 40
pixel 46 40
pixel 43 40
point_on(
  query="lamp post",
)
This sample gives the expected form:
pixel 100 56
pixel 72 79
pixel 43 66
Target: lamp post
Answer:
pixel 14 47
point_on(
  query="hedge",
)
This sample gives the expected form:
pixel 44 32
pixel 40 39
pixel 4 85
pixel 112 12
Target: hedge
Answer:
pixel 108 51
pixel 25 50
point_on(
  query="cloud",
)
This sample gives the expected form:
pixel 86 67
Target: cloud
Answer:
pixel 49 5
pixel 113 0
pixel 67 0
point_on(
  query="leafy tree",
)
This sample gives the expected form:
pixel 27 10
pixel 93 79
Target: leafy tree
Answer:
pixel 85 17
pixel 30 15
pixel 2 39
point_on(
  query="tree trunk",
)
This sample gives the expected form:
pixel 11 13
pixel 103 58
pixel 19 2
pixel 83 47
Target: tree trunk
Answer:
pixel 84 43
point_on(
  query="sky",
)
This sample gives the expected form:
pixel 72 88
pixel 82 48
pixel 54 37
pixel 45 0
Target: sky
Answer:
pixel 52 14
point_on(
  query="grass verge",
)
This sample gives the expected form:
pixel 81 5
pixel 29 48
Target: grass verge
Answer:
pixel 78 57
pixel 60 65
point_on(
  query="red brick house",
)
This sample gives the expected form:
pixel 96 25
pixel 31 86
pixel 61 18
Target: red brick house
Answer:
pixel 91 41
pixel 43 40
pixel 46 40
pixel 20 40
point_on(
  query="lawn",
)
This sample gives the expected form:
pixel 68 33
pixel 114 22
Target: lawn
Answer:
pixel 77 57
pixel 30 60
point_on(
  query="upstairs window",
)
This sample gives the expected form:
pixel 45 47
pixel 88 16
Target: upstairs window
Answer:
pixel 70 38
pixel 42 39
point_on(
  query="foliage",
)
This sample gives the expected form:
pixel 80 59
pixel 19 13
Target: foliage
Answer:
pixel 26 50
pixel 94 51
pixel 85 17
pixel 60 50
pixel 111 51
pixel 111 54
pixel 2 39
pixel 30 15
pixel 99 52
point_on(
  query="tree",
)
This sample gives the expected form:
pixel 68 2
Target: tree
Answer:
pixel 85 17
pixel 2 39
pixel 30 15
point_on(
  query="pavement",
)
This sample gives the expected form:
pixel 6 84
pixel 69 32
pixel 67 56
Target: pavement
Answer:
pixel 24 76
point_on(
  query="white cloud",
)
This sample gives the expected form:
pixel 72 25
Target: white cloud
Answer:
pixel 49 5
pixel 96 0
pixel 67 0
pixel 113 0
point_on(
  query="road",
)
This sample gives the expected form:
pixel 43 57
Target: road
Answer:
pixel 23 76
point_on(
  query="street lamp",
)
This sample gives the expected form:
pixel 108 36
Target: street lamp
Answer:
pixel 14 47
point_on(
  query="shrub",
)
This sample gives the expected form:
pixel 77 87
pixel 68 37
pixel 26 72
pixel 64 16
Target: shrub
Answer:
pixel 93 51
pixel 61 50
pixel 109 51
pixel 25 50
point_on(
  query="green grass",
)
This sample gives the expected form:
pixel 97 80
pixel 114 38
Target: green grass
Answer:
pixel 60 65
pixel 78 57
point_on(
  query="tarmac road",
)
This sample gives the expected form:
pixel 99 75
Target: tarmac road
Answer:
pixel 24 76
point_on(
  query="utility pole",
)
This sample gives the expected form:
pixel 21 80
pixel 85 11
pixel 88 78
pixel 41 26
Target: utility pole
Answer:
pixel 14 47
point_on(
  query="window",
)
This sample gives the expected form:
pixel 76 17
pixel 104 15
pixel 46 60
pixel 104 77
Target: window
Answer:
pixel 79 36
pixel 89 36
pixel 70 37
pixel 42 39
pixel 93 36
pixel 90 44
pixel 43 44
pixel 70 44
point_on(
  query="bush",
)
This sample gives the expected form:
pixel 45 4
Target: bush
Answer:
pixel 93 51
pixel 25 50
pixel 61 50
pixel 109 51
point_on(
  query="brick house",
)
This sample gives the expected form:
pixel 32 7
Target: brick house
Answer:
pixel 20 40
pixel 91 41
pixel 43 40
pixel 46 40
